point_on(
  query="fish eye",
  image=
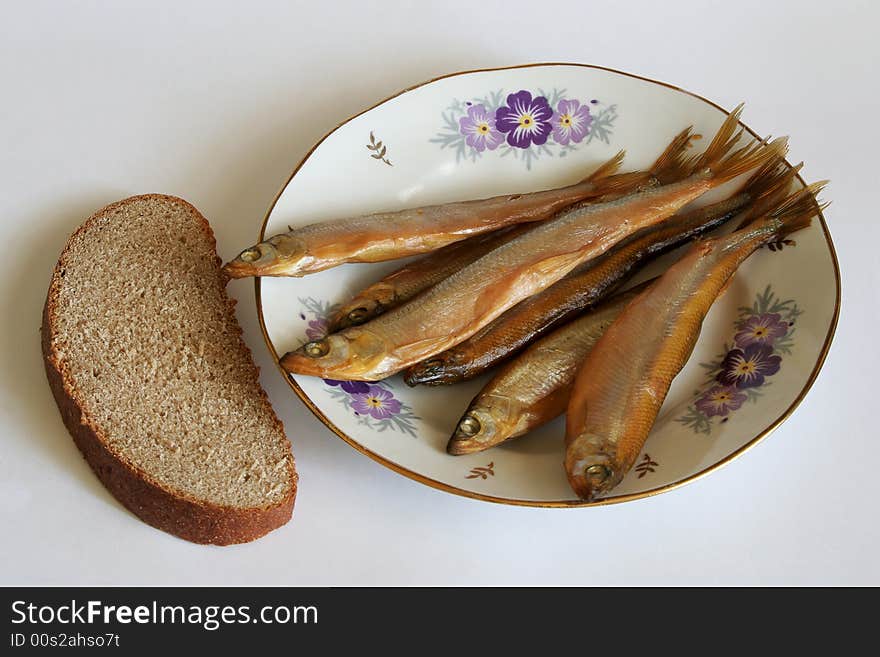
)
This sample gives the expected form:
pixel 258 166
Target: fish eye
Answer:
pixel 597 473
pixel 358 315
pixel 316 348
pixel 469 426
pixel 249 255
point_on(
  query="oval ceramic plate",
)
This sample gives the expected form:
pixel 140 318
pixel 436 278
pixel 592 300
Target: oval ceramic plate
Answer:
pixel 420 147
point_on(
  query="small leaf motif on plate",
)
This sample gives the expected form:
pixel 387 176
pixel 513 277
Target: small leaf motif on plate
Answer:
pixel 646 466
pixel 483 472
pixel 379 149
pixel 764 334
pixel 529 125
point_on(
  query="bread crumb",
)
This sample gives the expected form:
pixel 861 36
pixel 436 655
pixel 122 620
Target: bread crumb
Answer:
pixel 147 338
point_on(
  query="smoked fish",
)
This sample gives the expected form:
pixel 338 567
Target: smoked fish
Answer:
pixel 534 387
pixel 414 277
pixel 403 284
pixel 536 316
pixel 624 379
pixel 381 236
pixel 459 306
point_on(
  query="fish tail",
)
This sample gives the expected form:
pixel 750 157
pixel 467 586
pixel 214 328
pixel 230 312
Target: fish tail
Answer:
pixel 754 154
pixel 672 165
pixel 726 137
pixel 723 164
pixel 606 183
pixel 793 213
pixel 776 175
pixel 607 168
pixel 767 188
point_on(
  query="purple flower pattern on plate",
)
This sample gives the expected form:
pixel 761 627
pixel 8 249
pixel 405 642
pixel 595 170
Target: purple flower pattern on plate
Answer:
pixel 761 329
pixel 764 335
pixel 720 400
pixel 525 119
pixel 747 368
pixel 373 404
pixel 317 329
pixel 571 123
pixel 479 130
pixel 527 124
pixel 376 401
pixel 351 387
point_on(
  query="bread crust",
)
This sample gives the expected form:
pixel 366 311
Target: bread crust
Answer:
pixel 155 504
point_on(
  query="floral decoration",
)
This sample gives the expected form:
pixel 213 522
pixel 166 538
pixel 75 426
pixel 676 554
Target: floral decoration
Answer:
pixel 761 330
pixel 526 120
pixel 351 387
pixel 376 401
pixel 571 122
pixel 525 124
pixel 380 150
pixel 720 400
pixel 482 472
pixel 764 335
pixel 646 466
pixel 479 129
pixel 747 368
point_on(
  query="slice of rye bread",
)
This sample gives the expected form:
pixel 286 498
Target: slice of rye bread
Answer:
pixel 147 363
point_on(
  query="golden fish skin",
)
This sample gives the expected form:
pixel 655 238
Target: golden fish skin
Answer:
pixel 529 320
pixel 536 316
pixel 534 387
pixel 623 381
pixel 389 235
pixel 409 280
pixel 384 236
pixel 462 304
pixel 404 283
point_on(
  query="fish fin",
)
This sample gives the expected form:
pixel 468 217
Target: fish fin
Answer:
pixel 752 155
pixel 608 183
pixel 607 169
pixel 620 183
pixel 798 210
pixel 767 188
pixel 724 164
pixel 672 165
pixel 793 213
pixel 722 142
pixel 774 175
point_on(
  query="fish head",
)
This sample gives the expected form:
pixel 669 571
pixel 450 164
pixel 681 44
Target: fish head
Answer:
pixel 371 303
pixel 360 311
pixel 592 466
pixel 449 366
pixel 353 354
pixel 277 256
pixel 489 421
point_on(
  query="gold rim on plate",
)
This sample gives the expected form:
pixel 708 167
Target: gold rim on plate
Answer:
pixel 543 503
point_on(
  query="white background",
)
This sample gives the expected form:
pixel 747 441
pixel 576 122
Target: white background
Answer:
pixel 217 102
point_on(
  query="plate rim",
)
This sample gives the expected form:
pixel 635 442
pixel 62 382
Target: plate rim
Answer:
pixel 554 504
